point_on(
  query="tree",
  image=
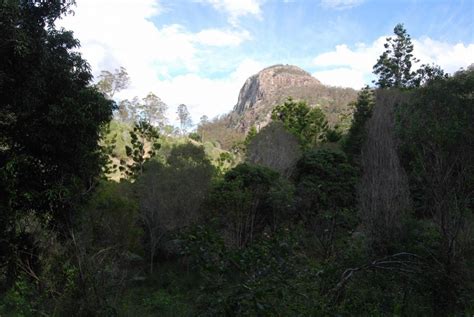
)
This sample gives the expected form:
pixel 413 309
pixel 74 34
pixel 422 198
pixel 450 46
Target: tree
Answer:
pixel 249 200
pixel 154 110
pixel 171 195
pixel 357 132
pixel 325 195
pixel 394 66
pixel 250 135
pixel 184 118
pixel 383 192
pixel 111 83
pixel 202 122
pixel 50 117
pixel 437 150
pixel 274 147
pixel 144 139
pixel 309 125
pixel 125 113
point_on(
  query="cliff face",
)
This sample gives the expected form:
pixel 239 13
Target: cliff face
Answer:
pixel 273 85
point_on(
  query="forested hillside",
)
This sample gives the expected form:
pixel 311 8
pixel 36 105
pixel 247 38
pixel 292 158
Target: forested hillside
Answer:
pixel 109 210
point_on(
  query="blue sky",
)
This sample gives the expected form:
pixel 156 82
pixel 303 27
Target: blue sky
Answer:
pixel 200 52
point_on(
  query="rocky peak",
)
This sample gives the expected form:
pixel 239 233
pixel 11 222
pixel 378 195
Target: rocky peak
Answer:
pixel 273 85
pixel 266 84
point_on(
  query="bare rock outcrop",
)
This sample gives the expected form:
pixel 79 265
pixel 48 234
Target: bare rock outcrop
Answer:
pixel 273 85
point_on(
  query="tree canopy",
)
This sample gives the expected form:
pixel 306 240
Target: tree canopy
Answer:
pixel 394 66
pixel 308 124
pixel 51 119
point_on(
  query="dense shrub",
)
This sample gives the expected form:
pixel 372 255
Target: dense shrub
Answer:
pixel 325 196
pixel 249 200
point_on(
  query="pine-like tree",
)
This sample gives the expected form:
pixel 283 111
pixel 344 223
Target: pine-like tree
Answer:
pixel 394 66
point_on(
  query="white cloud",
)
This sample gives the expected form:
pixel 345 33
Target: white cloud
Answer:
pixel 352 67
pixel 340 4
pixel 450 57
pixel 216 37
pixel 205 96
pixel 117 33
pixel 342 77
pixel 237 8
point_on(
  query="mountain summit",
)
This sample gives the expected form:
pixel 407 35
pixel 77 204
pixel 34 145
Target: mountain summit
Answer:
pixel 273 85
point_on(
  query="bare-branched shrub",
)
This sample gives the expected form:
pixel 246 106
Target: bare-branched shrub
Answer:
pixel 383 189
pixel 171 195
pixel 275 148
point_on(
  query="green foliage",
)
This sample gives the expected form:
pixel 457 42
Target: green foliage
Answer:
pixel 250 135
pixel 239 242
pixel 357 132
pixel 248 201
pixel 224 162
pixel 109 145
pixel 188 155
pixel 171 195
pixel 436 132
pixel 50 122
pixel 437 125
pixel 394 66
pixel 144 144
pixel 110 218
pixel 164 304
pixel 328 177
pixel 240 147
pixel 18 300
pixel 308 124
pixel 268 278
pixel 195 136
pixel 326 196
pixel 333 135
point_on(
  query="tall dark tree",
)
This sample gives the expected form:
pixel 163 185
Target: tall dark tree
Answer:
pixel 144 144
pixel 437 150
pixel 50 120
pixel 357 132
pixel 394 66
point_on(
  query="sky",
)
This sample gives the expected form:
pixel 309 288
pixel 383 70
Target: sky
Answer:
pixel 200 52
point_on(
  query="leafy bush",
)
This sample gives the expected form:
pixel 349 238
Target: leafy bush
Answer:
pixel 195 136
pixel 249 200
pixel 309 125
pixel 170 195
pixel 325 196
pixel 270 277
pixel 436 131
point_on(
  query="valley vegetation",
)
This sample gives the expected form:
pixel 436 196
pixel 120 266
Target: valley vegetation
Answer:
pixel 108 210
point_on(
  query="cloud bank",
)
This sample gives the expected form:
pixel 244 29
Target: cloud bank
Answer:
pixel 352 67
pixel 172 61
pixel 116 33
